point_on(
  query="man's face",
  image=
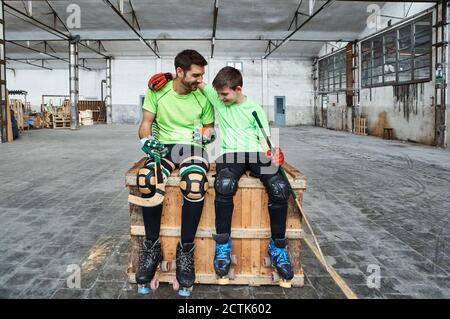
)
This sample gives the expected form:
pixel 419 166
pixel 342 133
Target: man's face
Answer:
pixel 192 78
pixel 228 96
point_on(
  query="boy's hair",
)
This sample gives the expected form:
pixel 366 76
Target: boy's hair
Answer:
pixel 186 58
pixel 228 77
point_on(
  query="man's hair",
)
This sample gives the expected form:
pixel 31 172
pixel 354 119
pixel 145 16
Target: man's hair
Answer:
pixel 228 77
pixel 186 58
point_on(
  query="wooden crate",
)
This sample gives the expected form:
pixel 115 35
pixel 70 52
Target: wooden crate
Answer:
pixel 61 120
pixel 360 125
pixel 250 230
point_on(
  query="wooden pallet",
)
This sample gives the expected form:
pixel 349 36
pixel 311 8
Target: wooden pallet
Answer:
pixel 250 230
pixel 61 121
pixel 360 125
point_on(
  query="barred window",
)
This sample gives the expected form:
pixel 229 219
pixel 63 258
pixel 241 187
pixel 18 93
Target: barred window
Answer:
pixel 398 56
pixel 332 73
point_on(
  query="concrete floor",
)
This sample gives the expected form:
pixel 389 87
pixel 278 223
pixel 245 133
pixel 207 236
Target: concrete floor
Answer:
pixel 374 203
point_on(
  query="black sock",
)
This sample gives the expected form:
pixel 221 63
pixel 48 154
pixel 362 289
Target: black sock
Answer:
pixel 224 215
pixel 190 218
pixel 152 221
pixel 278 216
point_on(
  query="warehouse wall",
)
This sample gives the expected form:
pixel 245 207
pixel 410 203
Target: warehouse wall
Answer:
pixel 54 82
pixel 263 80
pixel 409 110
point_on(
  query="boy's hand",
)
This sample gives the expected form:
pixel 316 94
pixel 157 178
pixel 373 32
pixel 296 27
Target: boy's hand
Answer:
pixel 277 158
pixel 158 81
pixel 204 135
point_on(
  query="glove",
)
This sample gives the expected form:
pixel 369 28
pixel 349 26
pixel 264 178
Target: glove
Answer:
pixel 204 135
pixel 152 147
pixel 158 81
pixel 278 158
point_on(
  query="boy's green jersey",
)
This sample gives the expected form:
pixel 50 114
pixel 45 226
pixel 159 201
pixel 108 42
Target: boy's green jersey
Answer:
pixel 178 115
pixel 238 128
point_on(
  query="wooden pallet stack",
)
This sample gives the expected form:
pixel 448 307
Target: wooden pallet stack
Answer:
pixel 97 107
pixel 86 117
pixel 61 120
pixel 360 125
pixel 250 230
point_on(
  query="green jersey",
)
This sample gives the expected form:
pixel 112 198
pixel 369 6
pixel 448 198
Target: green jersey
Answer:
pixel 238 128
pixel 177 116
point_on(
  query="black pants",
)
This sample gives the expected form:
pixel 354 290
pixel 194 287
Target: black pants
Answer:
pixel 190 212
pixel 230 168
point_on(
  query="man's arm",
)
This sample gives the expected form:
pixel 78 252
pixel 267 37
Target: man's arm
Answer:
pixel 145 129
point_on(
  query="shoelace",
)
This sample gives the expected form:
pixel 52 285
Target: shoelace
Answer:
pixel 146 255
pixel 222 251
pixel 186 261
pixel 281 256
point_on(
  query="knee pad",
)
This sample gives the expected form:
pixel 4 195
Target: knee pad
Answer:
pixel 194 183
pixel 146 180
pixel 226 183
pixel 278 189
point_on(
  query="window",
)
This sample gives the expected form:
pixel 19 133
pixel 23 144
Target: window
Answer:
pixel 332 73
pixel 398 56
pixel 236 65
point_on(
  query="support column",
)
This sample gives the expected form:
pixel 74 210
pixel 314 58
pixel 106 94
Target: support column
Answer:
pixel 73 84
pixel 108 101
pixel 3 110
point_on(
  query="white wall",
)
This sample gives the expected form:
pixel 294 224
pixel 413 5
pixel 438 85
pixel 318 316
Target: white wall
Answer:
pixel 54 82
pixel 263 80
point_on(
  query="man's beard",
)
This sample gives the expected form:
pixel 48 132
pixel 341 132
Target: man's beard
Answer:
pixel 191 86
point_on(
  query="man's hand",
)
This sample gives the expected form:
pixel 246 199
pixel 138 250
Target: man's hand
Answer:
pixel 204 135
pixel 158 81
pixel 152 147
pixel 277 158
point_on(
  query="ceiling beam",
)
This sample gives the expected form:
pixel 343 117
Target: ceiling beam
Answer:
pixel 107 2
pixel 57 16
pixel 44 53
pixel 29 63
pixel 133 16
pixel 286 39
pixel 22 16
pixel 213 37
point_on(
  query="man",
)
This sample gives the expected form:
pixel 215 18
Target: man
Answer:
pixel 242 147
pixel 175 111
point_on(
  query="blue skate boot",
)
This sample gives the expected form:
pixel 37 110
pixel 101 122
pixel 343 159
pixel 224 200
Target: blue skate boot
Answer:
pixel 222 258
pixel 280 260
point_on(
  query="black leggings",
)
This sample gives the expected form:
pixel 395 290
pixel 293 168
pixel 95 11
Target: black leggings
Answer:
pixel 190 212
pixel 260 167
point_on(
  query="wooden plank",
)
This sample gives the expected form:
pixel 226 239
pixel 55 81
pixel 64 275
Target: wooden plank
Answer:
pixel 242 279
pixel 175 231
pixel 9 131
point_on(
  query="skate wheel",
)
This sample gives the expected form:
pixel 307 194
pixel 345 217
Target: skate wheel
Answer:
pixel 173 265
pixel 143 290
pixel 154 284
pixel 175 285
pixel 233 260
pixel 267 262
pixel 185 292
pixel 285 284
pixel 231 274
pixel 165 266
pixel 275 277
pixel 223 281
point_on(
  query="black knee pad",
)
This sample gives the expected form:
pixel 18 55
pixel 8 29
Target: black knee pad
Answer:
pixel 194 184
pixel 278 189
pixel 226 183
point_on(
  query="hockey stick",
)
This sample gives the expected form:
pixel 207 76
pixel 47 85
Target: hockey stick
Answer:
pixel 158 197
pixel 316 247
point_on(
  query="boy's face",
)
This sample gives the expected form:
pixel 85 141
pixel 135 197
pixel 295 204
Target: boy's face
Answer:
pixel 229 96
pixel 193 77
